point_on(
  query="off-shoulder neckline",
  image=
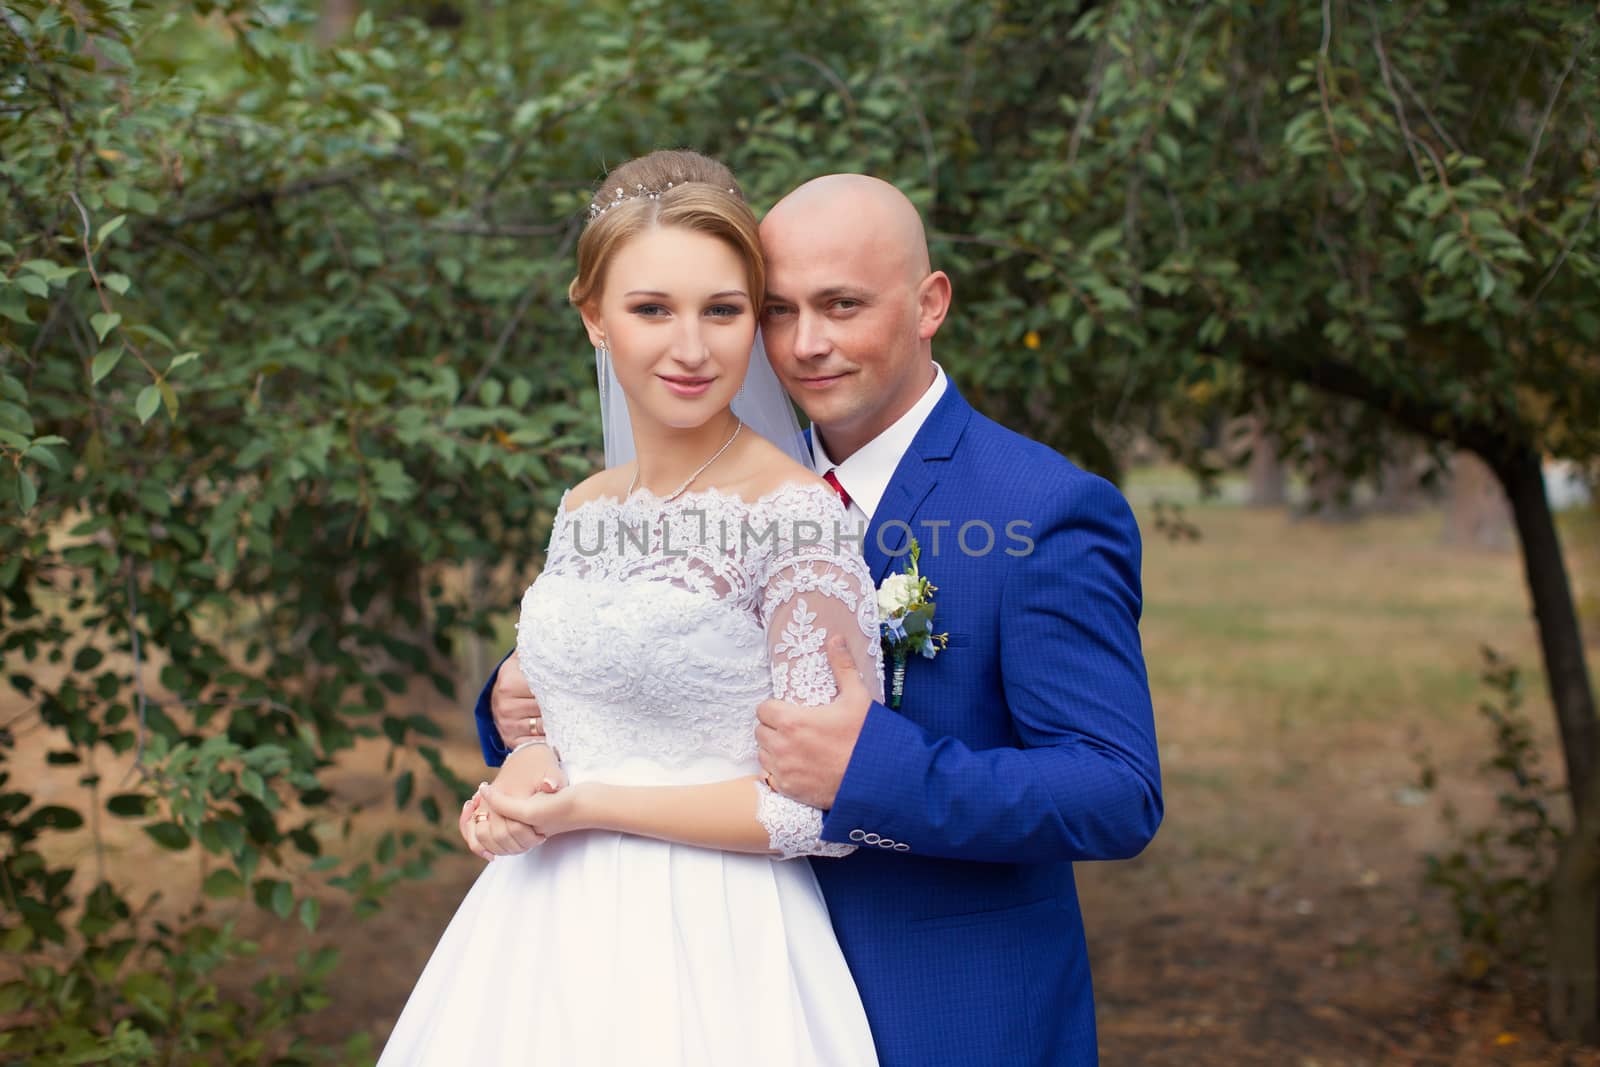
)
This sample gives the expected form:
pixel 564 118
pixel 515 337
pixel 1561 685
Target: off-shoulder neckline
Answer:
pixel 643 495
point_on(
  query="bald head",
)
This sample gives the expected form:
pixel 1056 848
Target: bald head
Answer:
pixel 865 214
pixel 852 305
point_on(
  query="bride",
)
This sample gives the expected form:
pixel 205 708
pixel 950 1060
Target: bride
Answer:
pixel 658 922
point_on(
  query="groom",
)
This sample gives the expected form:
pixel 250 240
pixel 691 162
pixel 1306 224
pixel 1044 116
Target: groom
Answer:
pixel 1028 743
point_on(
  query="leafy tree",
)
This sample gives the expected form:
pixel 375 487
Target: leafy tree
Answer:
pixel 283 347
pixel 1361 218
pixel 284 350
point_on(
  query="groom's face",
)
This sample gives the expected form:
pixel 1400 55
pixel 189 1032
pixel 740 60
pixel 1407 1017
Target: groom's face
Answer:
pixel 841 324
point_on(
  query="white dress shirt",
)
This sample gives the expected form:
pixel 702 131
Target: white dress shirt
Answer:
pixel 865 475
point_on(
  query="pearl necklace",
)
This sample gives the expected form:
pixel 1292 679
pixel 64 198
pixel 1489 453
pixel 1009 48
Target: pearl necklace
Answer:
pixel 738 425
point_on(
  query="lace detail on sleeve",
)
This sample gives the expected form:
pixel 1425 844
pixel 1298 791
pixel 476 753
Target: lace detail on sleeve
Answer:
pixel 814 588
pixel 794 829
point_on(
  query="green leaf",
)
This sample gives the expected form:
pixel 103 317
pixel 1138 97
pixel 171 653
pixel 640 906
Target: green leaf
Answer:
pixel 310 911
pixel 104 363
pixel 27 492
pixel 33 284
pixel 402 789
pixel 145 330
pixel 180 359
pixel 282 899
pixel 1486 281
pixel 117 283
pixel 14 307
pixel 56 817
pixel 169 835
pixel 251 782
pixel 1083 331
pixel 110 228
pixel 222 883
pixel 389 123
pixel 147 403
pixel 129 805
pixel 104 322
pixel 42 456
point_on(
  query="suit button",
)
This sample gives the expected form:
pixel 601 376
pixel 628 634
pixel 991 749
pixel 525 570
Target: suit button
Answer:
pixel 901 846
pixel 872 839
pixel 857 835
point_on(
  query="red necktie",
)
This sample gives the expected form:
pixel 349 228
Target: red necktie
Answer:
pixel 837 488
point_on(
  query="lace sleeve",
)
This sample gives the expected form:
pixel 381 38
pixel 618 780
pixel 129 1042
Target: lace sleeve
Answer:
pixel 814 589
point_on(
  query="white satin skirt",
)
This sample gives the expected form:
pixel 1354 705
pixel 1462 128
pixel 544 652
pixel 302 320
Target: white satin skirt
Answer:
pixel 601 949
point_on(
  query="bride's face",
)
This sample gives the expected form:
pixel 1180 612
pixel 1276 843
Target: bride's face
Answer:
pixel 676 313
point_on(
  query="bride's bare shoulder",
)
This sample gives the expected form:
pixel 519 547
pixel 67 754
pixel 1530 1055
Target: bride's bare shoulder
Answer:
pixel 766 468
pixel 611 482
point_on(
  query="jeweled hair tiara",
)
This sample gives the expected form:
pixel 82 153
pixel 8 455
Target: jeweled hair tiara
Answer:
pixel 597 209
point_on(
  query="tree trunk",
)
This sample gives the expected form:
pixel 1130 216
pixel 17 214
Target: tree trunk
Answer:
pixel 1330 494
pixel 1399 482
pixel 1269 479
pixel 1574 1004
pixel 1575 900
pixel 1478 513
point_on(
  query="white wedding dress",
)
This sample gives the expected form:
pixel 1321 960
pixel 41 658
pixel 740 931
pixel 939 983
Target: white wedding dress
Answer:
pixel 654 631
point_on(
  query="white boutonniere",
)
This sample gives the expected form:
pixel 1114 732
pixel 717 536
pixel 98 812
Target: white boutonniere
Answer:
pixel 905 604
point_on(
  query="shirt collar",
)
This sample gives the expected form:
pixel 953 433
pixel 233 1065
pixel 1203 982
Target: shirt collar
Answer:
pixel 865 475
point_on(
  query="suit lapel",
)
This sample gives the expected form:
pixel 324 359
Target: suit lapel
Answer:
pixel 887 534
pixel 914 479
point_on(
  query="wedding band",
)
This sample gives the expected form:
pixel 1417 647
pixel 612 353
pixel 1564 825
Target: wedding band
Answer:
pixel 533 724
pixel 481 816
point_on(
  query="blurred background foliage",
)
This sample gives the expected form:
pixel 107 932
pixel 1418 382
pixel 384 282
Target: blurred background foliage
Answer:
pixel 289 389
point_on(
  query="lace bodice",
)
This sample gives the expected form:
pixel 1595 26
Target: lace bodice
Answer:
pixel 657 627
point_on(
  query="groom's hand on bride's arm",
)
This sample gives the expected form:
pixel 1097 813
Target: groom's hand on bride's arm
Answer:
pixel 805 750
pixel 516 711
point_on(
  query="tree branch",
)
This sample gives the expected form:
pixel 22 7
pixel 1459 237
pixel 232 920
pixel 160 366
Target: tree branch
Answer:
pixel 1097 74
pixel 1566 250
pixel 1324 95
pixel 537 132
pixel 1416 98
pixel 1430 421
pixel 504 340
pixel 143 699
pixel 833 79
pixel 484 229
pixel 929 156
pixel 1549 108
pixel 264 197
pixel 1394 97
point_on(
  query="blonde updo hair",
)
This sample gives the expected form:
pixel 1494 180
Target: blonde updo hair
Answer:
pixel 666 188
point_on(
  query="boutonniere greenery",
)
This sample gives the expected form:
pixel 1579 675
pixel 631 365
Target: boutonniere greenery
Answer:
pixel 905 605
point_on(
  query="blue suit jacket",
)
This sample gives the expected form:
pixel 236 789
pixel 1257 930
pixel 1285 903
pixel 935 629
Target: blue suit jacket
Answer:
pixel 1025 745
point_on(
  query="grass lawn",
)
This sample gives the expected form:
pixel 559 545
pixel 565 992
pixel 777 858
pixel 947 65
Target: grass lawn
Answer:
pixel 1300 669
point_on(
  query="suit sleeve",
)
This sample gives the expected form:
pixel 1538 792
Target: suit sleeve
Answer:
pixel 494 750
pixel 1084 782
